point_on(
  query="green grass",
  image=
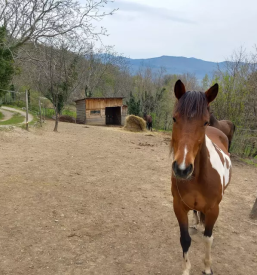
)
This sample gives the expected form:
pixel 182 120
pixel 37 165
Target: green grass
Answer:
pixel 69 113
pixel 1 116
pixel 50 112
pixel 249 161
pixel 164 131
pixel 16 119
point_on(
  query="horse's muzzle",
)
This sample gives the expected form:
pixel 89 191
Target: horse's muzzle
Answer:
pixel 182 173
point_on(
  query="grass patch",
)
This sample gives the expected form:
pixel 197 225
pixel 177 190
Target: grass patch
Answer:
pixel 249 161
pixel 164 131
pixel 16 119
pixel 50 112
pixel 35 118
pixel 1 116
pixel 69 113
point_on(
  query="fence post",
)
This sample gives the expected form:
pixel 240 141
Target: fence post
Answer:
pixel 253 214
pixel 27 110
pixel 40 115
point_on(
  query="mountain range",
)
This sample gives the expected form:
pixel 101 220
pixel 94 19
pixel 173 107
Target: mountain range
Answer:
pixel 176 65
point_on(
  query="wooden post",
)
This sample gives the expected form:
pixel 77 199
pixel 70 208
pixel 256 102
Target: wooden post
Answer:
pixel 253 214
pixel 40 114
pixel 27 111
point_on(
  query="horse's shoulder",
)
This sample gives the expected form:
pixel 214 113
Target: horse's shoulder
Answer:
pixel 218 137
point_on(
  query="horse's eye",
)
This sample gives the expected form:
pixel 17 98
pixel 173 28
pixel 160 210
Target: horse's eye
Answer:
pixel 206 123
pixel 174 119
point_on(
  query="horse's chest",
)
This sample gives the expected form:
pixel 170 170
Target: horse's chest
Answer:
pixel 200 198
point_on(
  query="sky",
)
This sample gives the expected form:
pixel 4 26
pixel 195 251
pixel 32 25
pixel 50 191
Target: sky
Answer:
pixel 206 29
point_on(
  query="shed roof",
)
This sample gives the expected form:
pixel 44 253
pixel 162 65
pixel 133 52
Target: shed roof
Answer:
pixel 88 98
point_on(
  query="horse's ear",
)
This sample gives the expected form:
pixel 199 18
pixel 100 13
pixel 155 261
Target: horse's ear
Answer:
pixel 179 89
pixel 212 93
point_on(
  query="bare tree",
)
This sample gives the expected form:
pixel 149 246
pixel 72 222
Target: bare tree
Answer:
pixel 34 21
pixel 59 72
pixel 98 64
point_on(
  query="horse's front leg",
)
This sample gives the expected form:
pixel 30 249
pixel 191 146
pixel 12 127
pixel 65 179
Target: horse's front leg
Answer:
pixel 210 219
pixel 185 239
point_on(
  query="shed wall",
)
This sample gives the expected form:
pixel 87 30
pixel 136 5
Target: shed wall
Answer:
pixel 101 103
pixel 81 112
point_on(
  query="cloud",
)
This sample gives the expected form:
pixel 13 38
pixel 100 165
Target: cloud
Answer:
pixel 131 9
pixel 209 30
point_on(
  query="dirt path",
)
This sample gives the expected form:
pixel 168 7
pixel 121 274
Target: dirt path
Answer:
pixel 7 114
pixel 97 200
pixel 30 117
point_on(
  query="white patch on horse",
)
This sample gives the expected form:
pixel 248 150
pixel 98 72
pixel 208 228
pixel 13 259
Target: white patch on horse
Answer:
pixel 207 259
pixel 222 168
pixel 187 264
pixel 182 166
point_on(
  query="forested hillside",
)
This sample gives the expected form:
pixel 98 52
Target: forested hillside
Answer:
pixel 176 65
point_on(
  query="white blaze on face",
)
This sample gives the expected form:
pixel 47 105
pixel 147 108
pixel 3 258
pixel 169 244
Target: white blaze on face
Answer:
pixel 223 169
pixel 182 166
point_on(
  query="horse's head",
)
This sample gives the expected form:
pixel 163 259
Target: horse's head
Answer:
pixel 191 117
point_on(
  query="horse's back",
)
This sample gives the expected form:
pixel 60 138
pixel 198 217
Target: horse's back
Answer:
pixel 229 127
pixel 218 137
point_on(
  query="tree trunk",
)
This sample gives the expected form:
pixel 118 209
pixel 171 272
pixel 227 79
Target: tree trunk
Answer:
pixel 56 121
pixel 253 214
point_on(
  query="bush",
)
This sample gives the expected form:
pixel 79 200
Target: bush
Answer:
pixel 244 143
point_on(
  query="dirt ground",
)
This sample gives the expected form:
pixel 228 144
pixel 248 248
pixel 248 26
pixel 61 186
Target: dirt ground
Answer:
pixel 7 114
pixel 96 200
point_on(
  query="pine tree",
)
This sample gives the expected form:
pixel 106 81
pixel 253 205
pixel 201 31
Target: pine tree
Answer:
pixel 133 105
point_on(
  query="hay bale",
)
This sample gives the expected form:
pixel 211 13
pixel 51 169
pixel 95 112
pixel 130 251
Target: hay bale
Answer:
pixel 135 124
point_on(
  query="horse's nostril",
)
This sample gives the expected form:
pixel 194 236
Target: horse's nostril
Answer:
pixel 190 169
pixel 175 166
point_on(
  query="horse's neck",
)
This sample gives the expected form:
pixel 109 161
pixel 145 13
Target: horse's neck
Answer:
pixel 213 120
pixel 201 159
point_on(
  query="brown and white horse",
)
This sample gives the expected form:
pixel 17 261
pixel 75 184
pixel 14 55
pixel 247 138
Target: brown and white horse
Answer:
pixel 201 168
pixel 226 126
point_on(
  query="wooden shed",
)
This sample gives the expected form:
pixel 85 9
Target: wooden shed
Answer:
pixel 101 111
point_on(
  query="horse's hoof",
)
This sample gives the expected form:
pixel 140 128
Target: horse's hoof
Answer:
pixel 204 273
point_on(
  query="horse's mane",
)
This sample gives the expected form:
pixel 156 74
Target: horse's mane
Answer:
pixel 192 104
